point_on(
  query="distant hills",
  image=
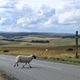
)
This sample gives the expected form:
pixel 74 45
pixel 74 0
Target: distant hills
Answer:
pixel 2 37
pixel 12 34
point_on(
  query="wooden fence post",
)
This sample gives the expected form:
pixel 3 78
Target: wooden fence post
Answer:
pixel 76 45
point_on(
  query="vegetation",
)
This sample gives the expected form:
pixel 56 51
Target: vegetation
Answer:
pixel 58 49
pixel 1 77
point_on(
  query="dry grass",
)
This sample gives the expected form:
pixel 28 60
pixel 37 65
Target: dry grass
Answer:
pixel 49 52
pixel 52 53
pixel 1 77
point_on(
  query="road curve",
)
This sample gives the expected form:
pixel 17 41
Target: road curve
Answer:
pixel 41 70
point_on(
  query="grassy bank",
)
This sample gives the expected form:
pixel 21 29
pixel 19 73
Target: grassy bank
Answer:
pixel 67 60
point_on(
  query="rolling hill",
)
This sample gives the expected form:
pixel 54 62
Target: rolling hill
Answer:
pixel 19 34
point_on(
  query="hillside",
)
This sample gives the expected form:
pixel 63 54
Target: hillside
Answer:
pixel 62 35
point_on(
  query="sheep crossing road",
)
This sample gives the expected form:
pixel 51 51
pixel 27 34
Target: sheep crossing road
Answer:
pixel 24 59
pixel 41 70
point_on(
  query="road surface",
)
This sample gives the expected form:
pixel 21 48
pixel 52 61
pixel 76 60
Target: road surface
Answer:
pixel 42 70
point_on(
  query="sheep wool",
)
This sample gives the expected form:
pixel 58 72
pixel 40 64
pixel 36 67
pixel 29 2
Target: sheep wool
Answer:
pixel 24 59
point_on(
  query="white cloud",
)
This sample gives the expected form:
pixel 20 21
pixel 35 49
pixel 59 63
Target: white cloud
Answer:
pixel 24 21
pixel 36 18
pixel 51 22
pixel 21 4
pixel 7 3
pixel 2 19
pixel 2 3
pixel 38 13
pixel 70 17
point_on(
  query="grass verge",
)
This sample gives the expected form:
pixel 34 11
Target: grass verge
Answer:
pixel 67 60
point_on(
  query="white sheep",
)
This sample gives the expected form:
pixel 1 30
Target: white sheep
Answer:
pixel 24 59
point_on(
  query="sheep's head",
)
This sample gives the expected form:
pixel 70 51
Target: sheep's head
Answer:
pixel 34 56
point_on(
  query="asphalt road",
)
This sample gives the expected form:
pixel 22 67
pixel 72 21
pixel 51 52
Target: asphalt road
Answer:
pixel 41 70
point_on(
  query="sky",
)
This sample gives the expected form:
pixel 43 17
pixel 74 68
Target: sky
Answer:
pixel 57 16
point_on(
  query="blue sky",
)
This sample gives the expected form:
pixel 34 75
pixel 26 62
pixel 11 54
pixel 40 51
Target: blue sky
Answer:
pixel 40 16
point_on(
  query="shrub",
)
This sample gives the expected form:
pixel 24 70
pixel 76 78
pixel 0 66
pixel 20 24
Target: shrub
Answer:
pixel 6 51
pixel 69 49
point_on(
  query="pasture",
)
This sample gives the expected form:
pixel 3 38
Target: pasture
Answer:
pixel 58 49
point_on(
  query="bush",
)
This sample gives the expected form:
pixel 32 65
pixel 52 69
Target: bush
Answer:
pixel 70 57
pixel 6 51
pixel 57 58
pixel 69 49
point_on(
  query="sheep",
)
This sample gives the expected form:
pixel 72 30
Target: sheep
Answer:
pixel 24 59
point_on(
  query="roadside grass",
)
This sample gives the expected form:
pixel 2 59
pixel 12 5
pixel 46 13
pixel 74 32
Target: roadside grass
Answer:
pixel 66 60
pixel 1 76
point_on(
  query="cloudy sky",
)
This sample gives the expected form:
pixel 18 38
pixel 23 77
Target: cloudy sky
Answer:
pixel 40 16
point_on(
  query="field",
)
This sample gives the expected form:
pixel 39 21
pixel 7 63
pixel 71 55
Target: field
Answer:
pixel 58 49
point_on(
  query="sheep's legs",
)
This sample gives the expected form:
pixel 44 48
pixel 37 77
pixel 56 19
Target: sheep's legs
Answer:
pixel 29 65
pixel 16 64
pixel 24 65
